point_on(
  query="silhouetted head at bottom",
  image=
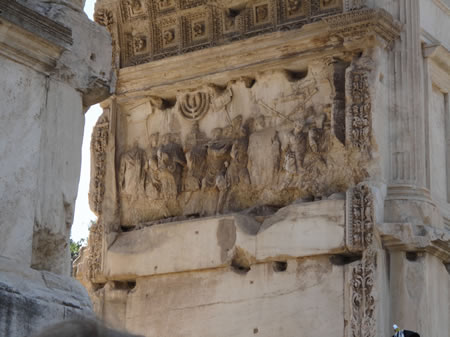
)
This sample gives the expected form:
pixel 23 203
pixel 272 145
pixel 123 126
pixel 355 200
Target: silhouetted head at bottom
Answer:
pixel 80 328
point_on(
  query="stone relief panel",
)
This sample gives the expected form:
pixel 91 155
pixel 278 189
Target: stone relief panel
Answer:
pixel 359 104
pixel 216 149
pixel 362 296
pixel 360 218
pixel 174 27
pixel 99 142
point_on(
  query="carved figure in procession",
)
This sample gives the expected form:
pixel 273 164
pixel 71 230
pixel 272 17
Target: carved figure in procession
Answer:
pixel 295 151
pixel 195 161
pixel 237 171
pixel 195 137
pixel 319 132
pixel 217 155
pixel 217 162
pixel 276 155
pixel 232 130
pixel 132 172
pixel 259 123
pixel 171 162
pixel 152 181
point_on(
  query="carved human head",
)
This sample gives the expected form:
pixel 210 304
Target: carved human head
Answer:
pixel 237 122
pixel 195 127
pixel 260 122
pixel 320 120
pixel 154 138
pixel 216 133
pixel 166 139
pixel 80 328
pixel 228 131
pixel 299 124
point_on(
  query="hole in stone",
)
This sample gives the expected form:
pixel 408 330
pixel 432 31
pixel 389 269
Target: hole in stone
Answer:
pixel 236 10
pixel 412 256
pixel 343 259
pixel 98 286
pixel 251 282
pixel 124 285
pixel 255 331
pixel 239 268
pixel 93 57
pixel 126 229
pixel 249 83
pixel 232 13
pixel 279 266
pixel 169 103
pixel 294 76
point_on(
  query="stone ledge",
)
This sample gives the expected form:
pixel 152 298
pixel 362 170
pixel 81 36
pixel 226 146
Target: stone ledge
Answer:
pixel 418 238
pixel 30 299
pixel 36 23
pixel 290 49
pixel 299 230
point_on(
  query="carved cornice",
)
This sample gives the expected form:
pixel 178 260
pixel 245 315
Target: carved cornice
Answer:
pixel 146 31
pixel 360 218
pixel 36 23
pixel 292 49
pixel 417 238
pixel 439 58
pixel 443 6
pixel 30 38
pixel 361 23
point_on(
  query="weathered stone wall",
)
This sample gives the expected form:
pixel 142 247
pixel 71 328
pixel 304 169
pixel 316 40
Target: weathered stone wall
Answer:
pixel 257 153
pixel 51 72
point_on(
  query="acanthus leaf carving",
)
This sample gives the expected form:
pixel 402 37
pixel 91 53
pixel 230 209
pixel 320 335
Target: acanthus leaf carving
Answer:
pixel 104 17
pixel 95 245
pixel 359 106
pixel 362 296
pixel 360 218
pixel 99 143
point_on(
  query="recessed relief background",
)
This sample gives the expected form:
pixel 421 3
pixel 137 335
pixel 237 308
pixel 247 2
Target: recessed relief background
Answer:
pixel 268 140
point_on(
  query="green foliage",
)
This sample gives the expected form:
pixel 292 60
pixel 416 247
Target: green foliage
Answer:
pixel 75 248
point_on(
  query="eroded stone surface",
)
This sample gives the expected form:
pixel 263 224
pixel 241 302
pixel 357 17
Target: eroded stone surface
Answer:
pixel 50 75
pixel 249 136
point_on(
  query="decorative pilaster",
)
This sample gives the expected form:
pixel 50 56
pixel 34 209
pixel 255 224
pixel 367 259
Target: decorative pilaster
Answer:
pixel 406 104
pixel 361 275
pixel 360 218
pixel 362 295
pixel 99 143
